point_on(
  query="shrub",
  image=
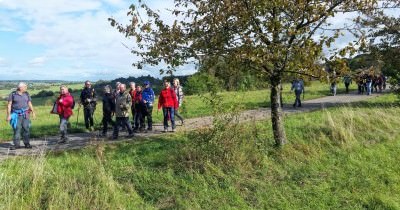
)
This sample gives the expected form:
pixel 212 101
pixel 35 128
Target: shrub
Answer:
pixel 202 83
pixel 43 93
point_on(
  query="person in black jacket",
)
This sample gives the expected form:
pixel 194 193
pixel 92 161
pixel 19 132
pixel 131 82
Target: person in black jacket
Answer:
pixel 108 109
pixel 88 100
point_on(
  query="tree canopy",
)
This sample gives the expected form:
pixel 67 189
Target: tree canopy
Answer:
pixel 274 37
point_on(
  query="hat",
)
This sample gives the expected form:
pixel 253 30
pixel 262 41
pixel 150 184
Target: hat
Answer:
pixel 146 83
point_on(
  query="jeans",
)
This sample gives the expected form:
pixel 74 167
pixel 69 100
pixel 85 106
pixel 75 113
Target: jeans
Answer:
pixel 121 122
pixel 22 124
pixel 88 114
pixel 63 127
pixel 168 113
pixel 368 86
pixel 297 101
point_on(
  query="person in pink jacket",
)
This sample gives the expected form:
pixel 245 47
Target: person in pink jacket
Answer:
pixel 65 103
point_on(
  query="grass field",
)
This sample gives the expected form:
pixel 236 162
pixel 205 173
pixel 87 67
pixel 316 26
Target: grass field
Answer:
pixel 338 158
pixel 194 106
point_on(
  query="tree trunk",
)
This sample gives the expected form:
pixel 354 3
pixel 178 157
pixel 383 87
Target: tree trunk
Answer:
pixel 278 128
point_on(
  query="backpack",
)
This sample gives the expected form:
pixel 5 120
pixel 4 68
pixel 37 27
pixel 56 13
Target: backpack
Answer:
pixel 297 85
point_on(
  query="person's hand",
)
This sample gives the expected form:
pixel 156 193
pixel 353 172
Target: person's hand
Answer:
pixel 8 118
pixel 144 101
pixel 60 100
pixel 33 115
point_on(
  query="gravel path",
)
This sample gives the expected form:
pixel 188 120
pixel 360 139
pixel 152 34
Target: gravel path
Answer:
pixel 79 140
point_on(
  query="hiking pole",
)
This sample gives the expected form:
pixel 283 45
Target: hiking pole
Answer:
pixel 77 117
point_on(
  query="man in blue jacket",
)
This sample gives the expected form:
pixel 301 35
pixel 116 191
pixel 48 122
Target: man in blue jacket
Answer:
pixel 148 99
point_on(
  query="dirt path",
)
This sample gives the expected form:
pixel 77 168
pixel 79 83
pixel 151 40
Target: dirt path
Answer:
pixel 79 140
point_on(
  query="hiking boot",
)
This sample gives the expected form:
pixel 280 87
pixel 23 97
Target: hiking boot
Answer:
pixel 28 146
pixel 165 130
pixel 62 141
pixel 130 135
pixel 114 137
pixel 13 147
pixel 141 129
pixel 182 122
pixel 173 130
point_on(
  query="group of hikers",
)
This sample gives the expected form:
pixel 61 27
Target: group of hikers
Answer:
pixel 139 100
pixel 368 83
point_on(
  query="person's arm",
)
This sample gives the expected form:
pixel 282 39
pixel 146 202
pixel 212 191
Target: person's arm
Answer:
pixel 175 99
pixel 8 118
pixel 81 98
pixel 160 98
pixel 152 96
pixel 31 108
pixel 94 95
pixel 181 95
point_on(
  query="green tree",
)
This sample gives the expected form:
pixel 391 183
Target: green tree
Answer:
pixel 384 34
pixel 278 37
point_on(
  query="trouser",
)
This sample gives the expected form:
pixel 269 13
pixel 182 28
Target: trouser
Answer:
pixel 63 127
pixel 168 112
pixel 297 101
pixel 107 120
pixel 149 116
pixel 133 114
pixel 333 90
pixel 347 87
pixel 368 87
pixel 88 115
pixel 176 112
pixel 139 119
pixel 121 122
pixel 360 89
pixel 22 125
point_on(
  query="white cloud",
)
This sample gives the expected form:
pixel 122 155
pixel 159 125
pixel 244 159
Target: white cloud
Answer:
pixel 4 62
pixel 39 61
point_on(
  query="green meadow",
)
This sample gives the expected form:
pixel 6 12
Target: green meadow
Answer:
pixel 337 158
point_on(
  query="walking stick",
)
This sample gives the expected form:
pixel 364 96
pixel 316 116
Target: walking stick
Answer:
pixel 77 117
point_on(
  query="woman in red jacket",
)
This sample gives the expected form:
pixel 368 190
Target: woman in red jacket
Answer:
pixel 64 109
pixel 167 100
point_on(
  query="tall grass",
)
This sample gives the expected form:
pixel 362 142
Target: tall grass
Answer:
pixel 338 158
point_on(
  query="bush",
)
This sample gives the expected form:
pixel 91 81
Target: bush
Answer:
pixel 43 93
pixel 202 83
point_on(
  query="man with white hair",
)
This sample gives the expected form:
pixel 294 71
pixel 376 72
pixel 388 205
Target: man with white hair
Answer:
pixel 19 109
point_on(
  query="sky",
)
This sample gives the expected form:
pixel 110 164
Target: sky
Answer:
pixel 72 40
pixel 67 40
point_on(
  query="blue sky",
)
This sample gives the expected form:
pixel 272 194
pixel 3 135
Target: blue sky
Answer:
pixel 67 39
pixel 72 40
